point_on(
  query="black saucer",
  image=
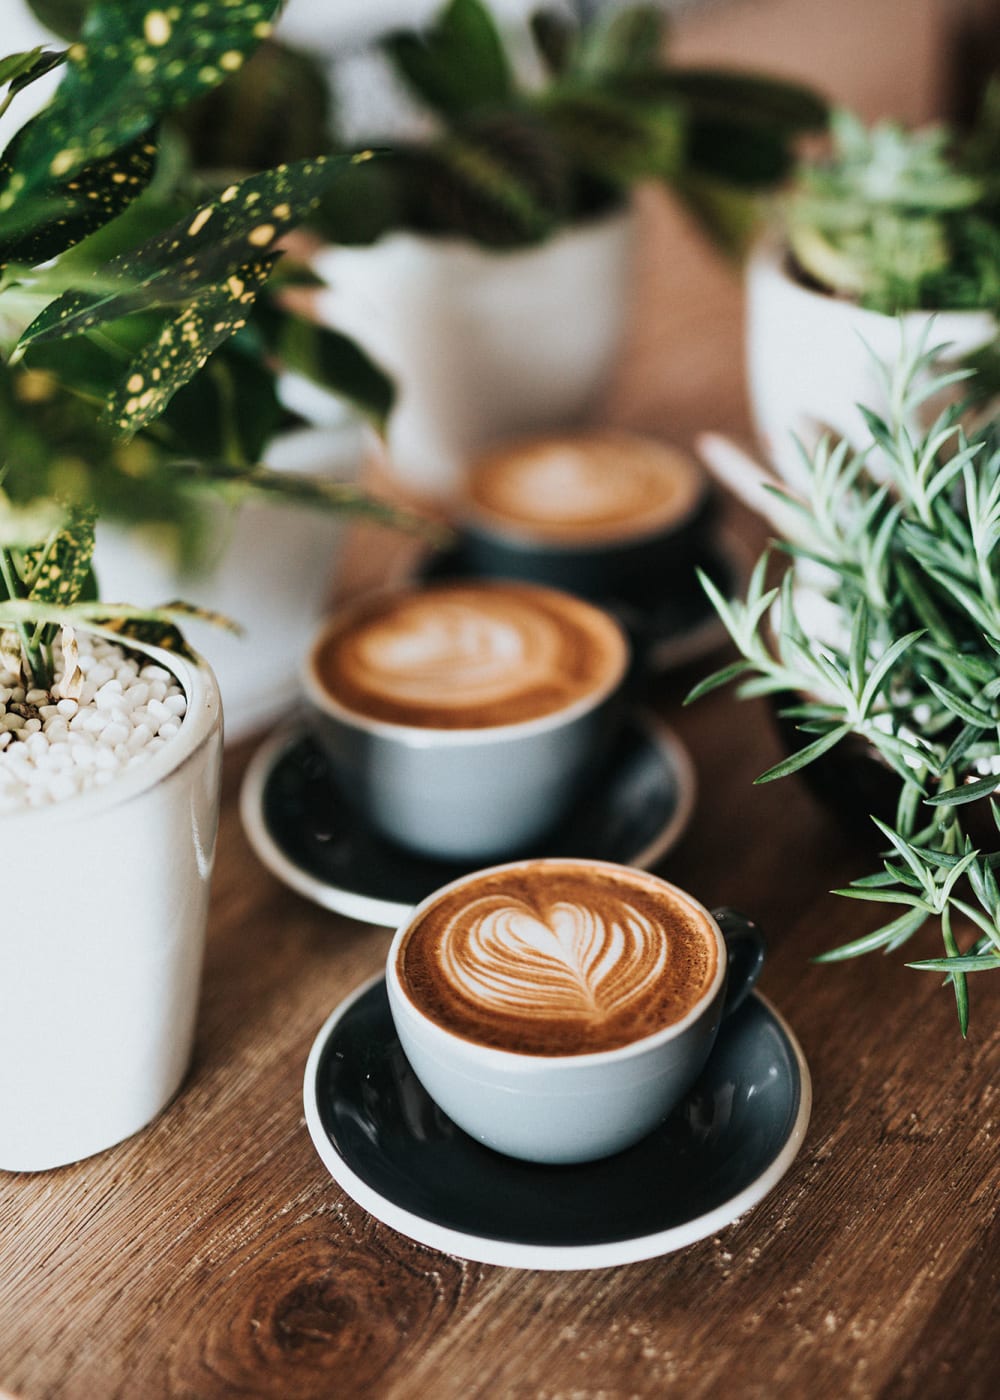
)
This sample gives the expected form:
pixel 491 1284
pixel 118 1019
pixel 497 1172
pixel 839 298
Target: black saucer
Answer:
pixel 305 833
pixel 671 623
pixel 395 1153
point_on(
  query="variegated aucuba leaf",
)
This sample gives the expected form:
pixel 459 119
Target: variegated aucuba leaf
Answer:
pixel 156 625
pixel 196 254
pixel 182 347
pixel 133 62
pixel 293 488
pixel 59 571
pixel 66 212
pixel 21 69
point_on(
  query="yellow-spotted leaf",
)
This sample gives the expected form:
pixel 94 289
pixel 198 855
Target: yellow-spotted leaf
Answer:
pixel 59 571
pixel 197 254
pixel 64 213
pixel 134 61
pixel 183 346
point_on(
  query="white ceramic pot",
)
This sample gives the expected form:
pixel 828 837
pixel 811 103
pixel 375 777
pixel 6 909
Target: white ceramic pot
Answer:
pixel 482 344
pixel 105 904
pixel 811 357
pixel 272 571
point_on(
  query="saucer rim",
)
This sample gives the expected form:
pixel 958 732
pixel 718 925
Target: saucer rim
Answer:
pixel 388 913
pixel 524 1254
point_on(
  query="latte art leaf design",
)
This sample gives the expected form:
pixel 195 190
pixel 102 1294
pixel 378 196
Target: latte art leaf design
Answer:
pixel 451 652
pixel 574 962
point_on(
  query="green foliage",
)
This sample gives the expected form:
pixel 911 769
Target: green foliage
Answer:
pixel 901 219
pixel 119 286
pixel 898 644
pixel 512 161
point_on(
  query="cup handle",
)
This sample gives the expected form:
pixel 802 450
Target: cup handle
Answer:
pixel 746 950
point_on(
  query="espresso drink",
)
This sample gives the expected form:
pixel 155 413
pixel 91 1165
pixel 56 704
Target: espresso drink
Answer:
pixel 588 488
pixel 558 957
pixel 470 656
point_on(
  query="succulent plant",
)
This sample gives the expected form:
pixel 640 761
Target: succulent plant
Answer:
pixel 901 220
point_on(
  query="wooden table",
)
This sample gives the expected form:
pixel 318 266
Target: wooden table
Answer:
pixel 213 1256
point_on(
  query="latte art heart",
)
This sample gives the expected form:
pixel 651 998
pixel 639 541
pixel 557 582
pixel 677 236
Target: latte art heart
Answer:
pixel 575 962
pixel 558 957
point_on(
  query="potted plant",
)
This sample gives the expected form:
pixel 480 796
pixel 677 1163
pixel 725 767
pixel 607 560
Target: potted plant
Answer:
pixel 109 760
pixel 491 262
pixel 880 641
pixel 891 222
pixel 267 397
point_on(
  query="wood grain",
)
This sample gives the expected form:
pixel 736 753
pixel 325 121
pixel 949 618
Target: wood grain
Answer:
pixel 212 1256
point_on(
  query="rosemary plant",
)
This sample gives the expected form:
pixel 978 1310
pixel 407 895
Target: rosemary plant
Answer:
pixel 885 624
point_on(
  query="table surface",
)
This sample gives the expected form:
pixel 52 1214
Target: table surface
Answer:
pixel 212 1255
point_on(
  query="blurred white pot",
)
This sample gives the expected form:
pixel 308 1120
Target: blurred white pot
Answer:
pixel 101 954
pixel 810 357
pixel 482 344
pixel 272 573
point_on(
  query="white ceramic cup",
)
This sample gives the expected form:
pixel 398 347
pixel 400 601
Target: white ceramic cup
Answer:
pixel 572 1108
pixel 466 794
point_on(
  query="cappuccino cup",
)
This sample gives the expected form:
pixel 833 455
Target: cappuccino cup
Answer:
pixel 605 514
pixel 558 1009
pixel 463 719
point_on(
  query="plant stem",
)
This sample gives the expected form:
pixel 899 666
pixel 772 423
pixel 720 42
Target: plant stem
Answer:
pixel 33 651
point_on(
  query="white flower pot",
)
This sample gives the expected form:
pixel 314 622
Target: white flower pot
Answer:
pixel 272 572
pixel 106 897
pixel 481 344
pixel 811 357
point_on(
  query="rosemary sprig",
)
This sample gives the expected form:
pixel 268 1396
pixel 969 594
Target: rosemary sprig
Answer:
pixel 885 624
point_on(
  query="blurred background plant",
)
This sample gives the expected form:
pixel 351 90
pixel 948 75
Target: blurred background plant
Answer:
pixel 903 220
pixel 517 144
pixel 885 626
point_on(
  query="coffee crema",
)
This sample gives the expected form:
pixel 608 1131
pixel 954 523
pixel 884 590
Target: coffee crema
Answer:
pixel 556 957
pixel 470 656
pixel 587 488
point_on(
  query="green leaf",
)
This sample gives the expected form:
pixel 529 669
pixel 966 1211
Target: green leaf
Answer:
pixel 805 756
pixel 616 138
pixel 65 213
pixel 22 69
pixel 197 254
pixel 718 678
pixel 458 63
pixel 975 962
pixel 880 671
pixel 328 359
pixel 182 348
pixel 59 571
pixel 968 792
pixel 555 39
pixel 734 97
pixel 63 17
pixel 979 719
pixel 905 926
pixel 623 41
pixel 131 64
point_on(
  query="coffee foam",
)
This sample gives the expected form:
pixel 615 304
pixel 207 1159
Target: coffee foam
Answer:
pixel 558 958
pixel 590 487
pixel 470 656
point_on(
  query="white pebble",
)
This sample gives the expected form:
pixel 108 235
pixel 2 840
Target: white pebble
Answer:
pixel 123 715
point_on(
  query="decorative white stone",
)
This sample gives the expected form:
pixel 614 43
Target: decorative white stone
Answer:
pixel 70 745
